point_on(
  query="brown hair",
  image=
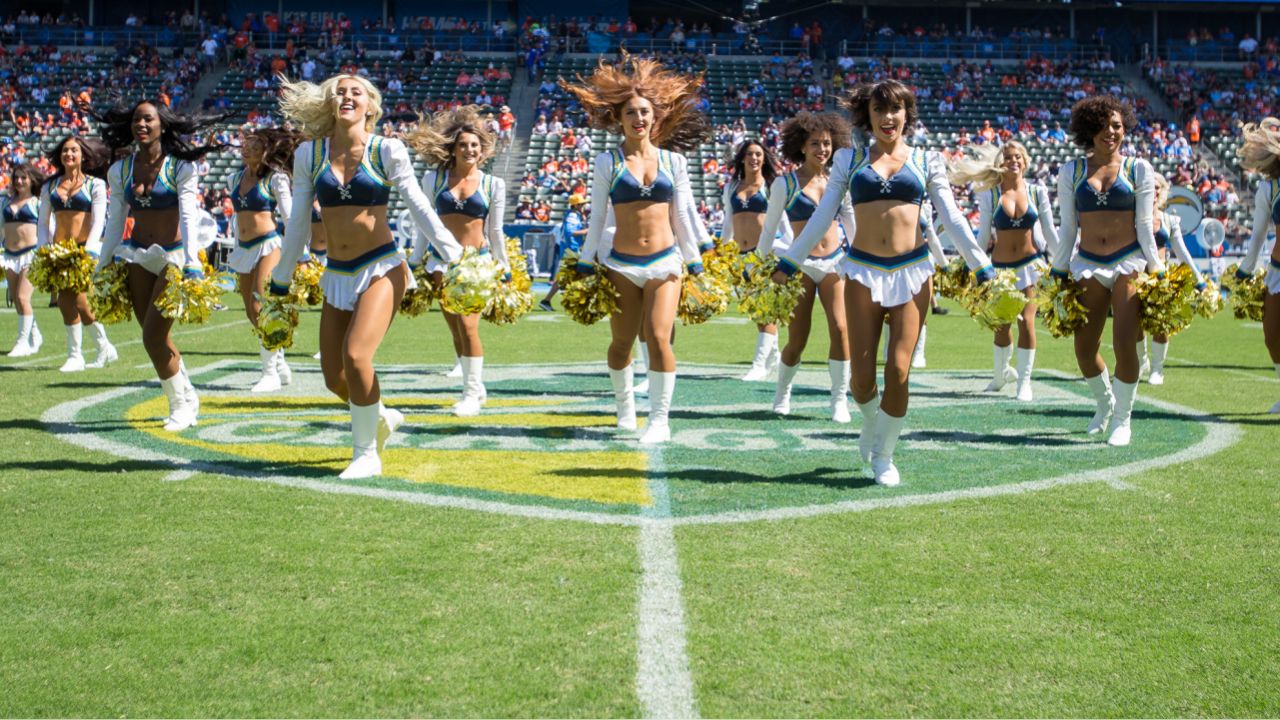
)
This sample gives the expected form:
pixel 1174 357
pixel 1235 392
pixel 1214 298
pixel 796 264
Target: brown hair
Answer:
pixel 1091 115
pixel 278 146
pixel 94 155
pixel 887 93
pixel 674 97
pixel 35 178
pixel 796 131
pixel 768 169
pixel 435 138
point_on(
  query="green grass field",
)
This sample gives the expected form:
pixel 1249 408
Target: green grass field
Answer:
pixel 532 562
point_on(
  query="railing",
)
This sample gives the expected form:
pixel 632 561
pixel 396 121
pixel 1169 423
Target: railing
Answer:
pixel 979 49
pixel 1205 51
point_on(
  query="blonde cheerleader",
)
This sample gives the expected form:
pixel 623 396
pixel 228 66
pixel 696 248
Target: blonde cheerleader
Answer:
pixel 73 206
pixel 1261 153
pixel 1015 225
pixel 888 268
pixel 810 140
pixel 1168 234
pixel 259 192
pixel 350 171
pixel 746 203
pixel 654 240
pixel 470 203
pixel 1106 202
pixel 21 236
pixel 157 184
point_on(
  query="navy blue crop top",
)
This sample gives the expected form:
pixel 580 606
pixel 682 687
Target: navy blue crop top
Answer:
pixel 164 191
pixel 1120 196
pixel 1162 236
pixel 258 199
pixel 626 188
pixel 907 185
pixel 25 214
pixel 757 203
pixel 1275 209
pixel 475 205
pixel 81 201
pixel 368 187
pixel 799 206
pixel 1002 221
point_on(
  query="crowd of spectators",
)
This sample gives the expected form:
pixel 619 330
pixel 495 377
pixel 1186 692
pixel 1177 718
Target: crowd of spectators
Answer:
pixel 1221 99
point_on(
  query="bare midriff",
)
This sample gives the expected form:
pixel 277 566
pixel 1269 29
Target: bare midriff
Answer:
pixel 746 229
pixel 255 223
pixel 647 228
pixel 357 229
pixel 887 228
pixel 468 231
pixel 73 225
pixel 155 227
pixel 1103 232
pixel 19 236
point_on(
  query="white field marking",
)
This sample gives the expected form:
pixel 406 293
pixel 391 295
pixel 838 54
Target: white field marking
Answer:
pixel 663 681
pixel 178 333
pixel 179 476
pixel 1230 371
pixel 728 320
pixel 1218 437
pixel 549 317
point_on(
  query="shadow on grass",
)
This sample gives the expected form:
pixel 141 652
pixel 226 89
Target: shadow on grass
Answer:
pixel 836 478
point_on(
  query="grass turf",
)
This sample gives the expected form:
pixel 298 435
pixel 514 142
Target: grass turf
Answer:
pixel 127 595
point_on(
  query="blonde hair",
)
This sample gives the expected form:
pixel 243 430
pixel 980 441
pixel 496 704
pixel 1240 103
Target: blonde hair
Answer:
pixel 1261 148
pixel 1162 191
pixel 436 138
pixel 313 108
pixel 983 165
pixel 674 97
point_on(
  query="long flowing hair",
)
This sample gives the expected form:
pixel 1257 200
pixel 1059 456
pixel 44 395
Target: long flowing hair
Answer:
pixel 983 165
pixel 1162 191
pixel 436 137
pixel 116 126
pixel 277 149
pixel 738 165
pixel 678 125
pixel 35 178
pixel 1261 148
pixel 95 158
pixel 796 131
pixel 313 108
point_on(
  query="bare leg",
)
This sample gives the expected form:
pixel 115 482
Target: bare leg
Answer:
pixel 624 324
pixel 801 322
pixel 375 309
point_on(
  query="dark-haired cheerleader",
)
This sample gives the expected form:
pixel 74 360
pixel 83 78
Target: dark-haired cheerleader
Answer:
pixel 21 213
pixel 746 202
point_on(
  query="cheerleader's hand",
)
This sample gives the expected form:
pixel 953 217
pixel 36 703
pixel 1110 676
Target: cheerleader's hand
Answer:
pixel 1241 274
pixel 1059 274
pixel 1155 267
pixel 985 275
pixel 277 290
pixel 584 268
pixel 192 272
pixel 506 278
pixel 1202 286
pixel 695 268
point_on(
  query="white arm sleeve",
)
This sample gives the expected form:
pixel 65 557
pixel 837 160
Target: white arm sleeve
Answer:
pixel 493 223
pixel 594 246
pixel 1179 244
pixel 775 215
pixel 1067 232
pixel 931 235
pixel 1048 238
pixel 689 230
pixel 420 243
pixel 399 169
pixel 189 213
pixel 944 204
pixel 847 221
pixel 1144 213
pixel 98 220
pixel 1261 224
pixel 825 214
pixel 986 213
pixel 279 186
pixel 44 226
pixel 297 235
pixel 726 201
pixel 119 210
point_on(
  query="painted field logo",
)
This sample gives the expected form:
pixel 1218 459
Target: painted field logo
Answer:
pixel 546 444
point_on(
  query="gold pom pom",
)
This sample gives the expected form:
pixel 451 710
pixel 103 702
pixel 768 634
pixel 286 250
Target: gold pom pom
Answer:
pixel 189 301
pixel 62 265
pixel 110 298
pixel 511 300
pixel 1208 302
pixel 470 283
pixel 702 297
pixel 765 301
pixel 1060 309
pixel 586 299
pixel 418 300
pixel 304 287
pixel 725 261
pixel 1166 300
pixel 954 281
pixel 997 302
pixel 277 319
pixel 1247 296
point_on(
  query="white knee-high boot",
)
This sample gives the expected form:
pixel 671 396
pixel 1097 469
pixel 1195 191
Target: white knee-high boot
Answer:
pixel 22 345
pixel 75 356
pixel 472 385
pixel 1159 351
pixel 270 380
pixel 184 403
pixel 1275 409
pixel 1144 362
pixel 282 368
pixel 624 396
pixel 766 347
pixel 642 368
pixel 887 430
pixel 839 372
pixel 388 421
pixel 1118 433
pixel 782 394
pixel 917 357
pixel 365 462
pixel 1001 373
pixel 1026 361
pixel 456 372
pixel 106 351
pixel 867 436
pixel 1101 387
pixel 662 386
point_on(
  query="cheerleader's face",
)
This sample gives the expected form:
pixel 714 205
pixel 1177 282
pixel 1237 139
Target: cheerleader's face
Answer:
pixel 21 184
pixel 1014 163
pixel 1111 136
pixel 888 120
pixel 467 150
pixel 251 152
pixel 818 148
pixel 146 124
pixel 638 118
pixel 753 160
pixel 70 155
pixel 351 102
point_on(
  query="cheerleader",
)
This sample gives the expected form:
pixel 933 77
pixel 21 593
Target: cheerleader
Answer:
pixel 470 203
pixel 1015 225
pixel 318 248
pixel 259 190
pixel 889 266
pixel 156 184
pixel 21 215
pixel 809 140
pixel 1261 153
pixel 1109 199
pixel 648 189
pixel 1168 234
pixel 929 235
pixel 746 202
pixel 351 171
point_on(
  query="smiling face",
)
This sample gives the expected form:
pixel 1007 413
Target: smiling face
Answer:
pixel 21 184
pixel 753 160
pixel 251 152
pixel 1111 136
pixel 1013 161
pixel 818 149
pixel 351 102
pixel 146 124
pixel 467 150
pixel 638 118
pixel 70 156
pixel 888 120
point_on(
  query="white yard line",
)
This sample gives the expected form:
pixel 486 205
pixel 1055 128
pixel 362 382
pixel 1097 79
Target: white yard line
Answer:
pixel 59 357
